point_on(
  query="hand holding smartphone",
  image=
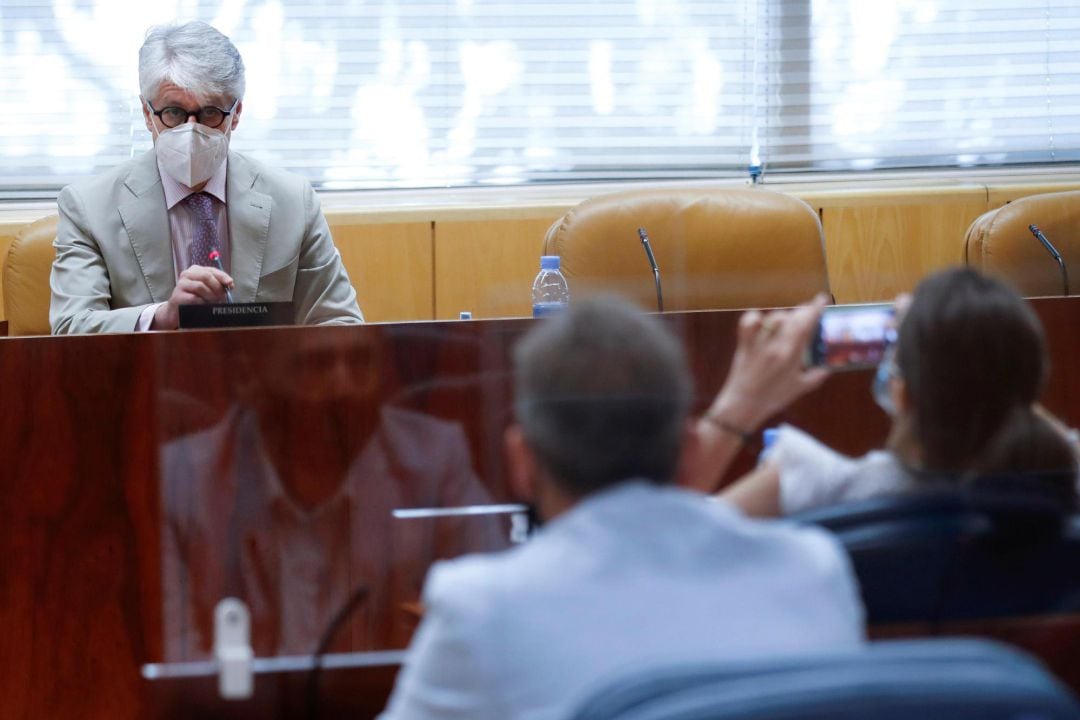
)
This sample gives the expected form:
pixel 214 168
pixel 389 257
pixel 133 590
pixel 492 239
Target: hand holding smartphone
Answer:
pixel 850 337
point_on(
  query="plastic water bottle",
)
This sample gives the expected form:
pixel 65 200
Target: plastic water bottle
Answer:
pixel 550 293
pixel 755 171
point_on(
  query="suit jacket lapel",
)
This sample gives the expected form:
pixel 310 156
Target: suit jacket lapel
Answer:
pixel 147 225
pixel 249 227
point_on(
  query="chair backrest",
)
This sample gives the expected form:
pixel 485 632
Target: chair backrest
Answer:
pixel 1000 243
pixel 715 248
pixel 950 556
pixel 26 278
pixel 905 680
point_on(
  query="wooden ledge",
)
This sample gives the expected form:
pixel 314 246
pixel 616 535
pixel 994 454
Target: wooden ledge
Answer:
pixel 535 201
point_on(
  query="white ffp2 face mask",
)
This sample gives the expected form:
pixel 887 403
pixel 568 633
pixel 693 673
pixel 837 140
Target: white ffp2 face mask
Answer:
pixel 191 153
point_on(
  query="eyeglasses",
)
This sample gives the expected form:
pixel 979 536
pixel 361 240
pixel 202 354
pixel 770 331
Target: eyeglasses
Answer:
pixel 208 115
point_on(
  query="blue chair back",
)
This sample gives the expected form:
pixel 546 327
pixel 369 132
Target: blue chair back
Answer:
pixel 893 680
pixel 955 556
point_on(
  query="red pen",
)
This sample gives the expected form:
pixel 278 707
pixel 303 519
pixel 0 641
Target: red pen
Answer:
pixel 215 257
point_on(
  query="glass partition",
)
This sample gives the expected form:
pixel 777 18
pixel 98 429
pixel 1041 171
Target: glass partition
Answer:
pixel 319 472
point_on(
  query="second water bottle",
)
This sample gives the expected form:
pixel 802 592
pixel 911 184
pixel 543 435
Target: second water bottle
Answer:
pixel 550 293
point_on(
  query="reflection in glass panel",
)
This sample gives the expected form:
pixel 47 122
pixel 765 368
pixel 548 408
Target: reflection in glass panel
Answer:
pixel 286 498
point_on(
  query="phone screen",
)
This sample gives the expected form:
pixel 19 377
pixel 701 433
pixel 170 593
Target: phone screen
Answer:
pixel 853 336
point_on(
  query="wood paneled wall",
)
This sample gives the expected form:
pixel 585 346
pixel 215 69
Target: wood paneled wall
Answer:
pixel 415 261
pixel 390 265
pixel 879 249
pixel 487 267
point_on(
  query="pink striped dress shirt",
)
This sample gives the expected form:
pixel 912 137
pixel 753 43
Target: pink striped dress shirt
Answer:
pixel 181 227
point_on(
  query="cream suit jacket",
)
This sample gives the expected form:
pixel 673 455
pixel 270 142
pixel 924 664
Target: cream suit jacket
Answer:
pixel 114 254
pixel 632 577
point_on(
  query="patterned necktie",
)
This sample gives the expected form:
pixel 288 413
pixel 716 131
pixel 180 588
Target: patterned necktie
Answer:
pixel 205 237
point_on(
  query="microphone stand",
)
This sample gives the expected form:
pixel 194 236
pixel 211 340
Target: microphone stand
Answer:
pixel 359 595
pixel 655 269
pixel 1053 253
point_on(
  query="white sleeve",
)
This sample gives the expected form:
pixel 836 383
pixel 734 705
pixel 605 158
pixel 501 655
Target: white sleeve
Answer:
pixel 146 317
pixel 443 677
pixel 811 473
pixel 814 475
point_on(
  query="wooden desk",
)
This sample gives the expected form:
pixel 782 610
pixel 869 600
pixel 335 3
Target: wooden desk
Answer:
pixel 84 420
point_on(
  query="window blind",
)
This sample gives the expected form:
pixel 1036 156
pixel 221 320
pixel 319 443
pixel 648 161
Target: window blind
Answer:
pixel 420 93
pixel 917 83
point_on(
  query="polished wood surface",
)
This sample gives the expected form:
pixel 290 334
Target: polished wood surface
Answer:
pixel 1054 639
pixel 343 694
pixel 79 594
pixel 81 432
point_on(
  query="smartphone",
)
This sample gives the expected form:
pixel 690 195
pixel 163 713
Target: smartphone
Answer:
pixel 849 337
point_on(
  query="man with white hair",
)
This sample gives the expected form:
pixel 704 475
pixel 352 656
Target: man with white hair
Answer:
pixel 191 220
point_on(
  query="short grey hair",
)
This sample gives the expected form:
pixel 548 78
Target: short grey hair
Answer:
pixel 193 56
pixel 601 394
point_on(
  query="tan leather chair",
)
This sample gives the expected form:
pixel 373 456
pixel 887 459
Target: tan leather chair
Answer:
pixel 26 278
pixel 716 248
pixel 1000 243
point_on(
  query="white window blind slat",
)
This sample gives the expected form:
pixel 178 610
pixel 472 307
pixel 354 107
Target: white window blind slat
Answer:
pixel 908 83
pixel 413 93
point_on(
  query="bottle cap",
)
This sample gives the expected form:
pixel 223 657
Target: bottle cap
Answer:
pixel 768 437
pixel 549 262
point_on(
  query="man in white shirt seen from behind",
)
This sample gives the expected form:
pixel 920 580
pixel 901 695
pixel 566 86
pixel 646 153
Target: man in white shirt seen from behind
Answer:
pixel 627 571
